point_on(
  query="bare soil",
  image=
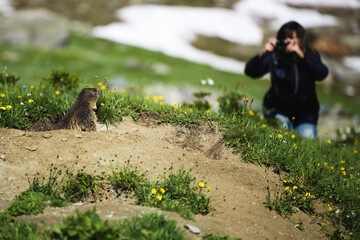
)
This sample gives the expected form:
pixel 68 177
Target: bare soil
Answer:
pixel 238 189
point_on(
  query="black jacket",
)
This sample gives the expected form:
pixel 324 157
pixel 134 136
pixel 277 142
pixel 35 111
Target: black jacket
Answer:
pixel 305 101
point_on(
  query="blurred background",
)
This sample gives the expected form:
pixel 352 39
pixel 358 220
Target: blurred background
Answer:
pixel 221 34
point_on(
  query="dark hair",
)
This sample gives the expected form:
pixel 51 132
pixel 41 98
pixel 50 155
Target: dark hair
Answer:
pixel 286 31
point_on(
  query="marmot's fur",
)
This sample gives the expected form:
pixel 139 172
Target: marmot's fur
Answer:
pixel 81 115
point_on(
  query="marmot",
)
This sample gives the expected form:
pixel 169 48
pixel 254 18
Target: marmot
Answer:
pixel 81 115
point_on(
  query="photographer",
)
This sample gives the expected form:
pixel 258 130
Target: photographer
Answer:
pixel 294 67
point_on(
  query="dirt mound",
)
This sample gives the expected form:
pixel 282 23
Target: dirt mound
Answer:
pixel 238 190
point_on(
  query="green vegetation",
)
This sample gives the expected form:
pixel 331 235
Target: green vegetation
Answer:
pixel 88 225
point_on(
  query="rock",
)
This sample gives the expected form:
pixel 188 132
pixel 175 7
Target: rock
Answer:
pixel 192 229
pixel 31 148
pixel 37 27
pixel 46 135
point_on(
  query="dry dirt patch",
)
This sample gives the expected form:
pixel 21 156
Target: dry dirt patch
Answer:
pixel 238 189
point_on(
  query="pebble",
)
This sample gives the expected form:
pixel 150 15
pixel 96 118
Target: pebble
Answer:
pixel 192 229
pixel 31 148
pixel 78 204
pixel 46 135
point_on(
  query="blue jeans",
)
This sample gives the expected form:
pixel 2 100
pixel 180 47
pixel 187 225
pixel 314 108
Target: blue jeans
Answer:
pixel 306 129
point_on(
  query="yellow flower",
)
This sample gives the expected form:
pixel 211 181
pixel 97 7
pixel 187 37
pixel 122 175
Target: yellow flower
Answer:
pixel 103 87
pixel 307 195
pixel 201 184
pixel 342 169
pixel 155 97
pixel 343 173
pixel 329 208
pixel 294 197
pixel 332 168
pixel 102 104
pixel 285 181
pixel 8 107
pixel 153 191
pixel 2 95
pixel 159 197
pixel 356 151
pixel 32 86
pixel 123 91
pixel 30 101
pixel 280 136
pixel 146 98
pixel 161 103
pixel 19 96
pixel 295 187
pixel 325 164
pixel 3 108
pixel 251 113
pixel 112 91
pixel 263 126
pixel 185 112
pixel 208 111
pixel 57 92
pixel 245 98
pixel 162 190
pixel 100 84
pixel 329 142
pixel 292 136
pixel 208 187
pixel 287 188
pixel 342 161
pixel 173 104
pixel 161 98
pixel 6 75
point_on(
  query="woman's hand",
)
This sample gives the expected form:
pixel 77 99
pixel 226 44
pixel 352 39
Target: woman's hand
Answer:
pixel 269 46
pixel 293 46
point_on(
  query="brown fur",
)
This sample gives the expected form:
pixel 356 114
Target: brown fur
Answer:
pixel 81 115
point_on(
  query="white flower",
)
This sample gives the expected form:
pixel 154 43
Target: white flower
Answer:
pixel 203 81
pixel 21 103
pixel 210 81
pixel 29 94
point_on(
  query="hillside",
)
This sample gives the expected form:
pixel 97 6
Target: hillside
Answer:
pixel 238 189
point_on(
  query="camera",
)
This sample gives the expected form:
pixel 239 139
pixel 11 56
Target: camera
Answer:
pixel 281 45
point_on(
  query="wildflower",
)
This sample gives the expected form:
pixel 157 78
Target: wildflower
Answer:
pixel 155 97
pixel 57 92
pixel 307 194
pixel 8 107
pixel 293 197
pixel 159 197
pixel 123 91
pixel 263 126
pixel 3 108
pixel 162 190
pixel 332 168
pixel 185 112
pixel 356 151
pixel 292 136
pixel 287 188
pixel 6 75
pixel 112 91
pixel 102 104
pixel 210 81
pixel 161 103
pixel 103 87
pixel 32 86
pixel 342 161
pixel 245 99
pixel 329 142
pixel 208 111
pixel 285 181
pixel 173 104
pixel 153 191
pixel 201 184
pixel 280 136
pixel 19 96
pixel 208 187
pixel 100 84
pixel 342 169
pixel 161 98
pixel 30 101
pixel 343 173
pixel 203 81
pixel 2 95
pixel 329 208
pixel 146 98
pixel 295 187
pixel 251 113
pixel 23 86
pixel 325 164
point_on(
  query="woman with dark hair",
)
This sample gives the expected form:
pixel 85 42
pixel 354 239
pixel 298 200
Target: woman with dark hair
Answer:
pixel 294 67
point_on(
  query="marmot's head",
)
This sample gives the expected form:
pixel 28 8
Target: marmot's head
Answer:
pixel 90 95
